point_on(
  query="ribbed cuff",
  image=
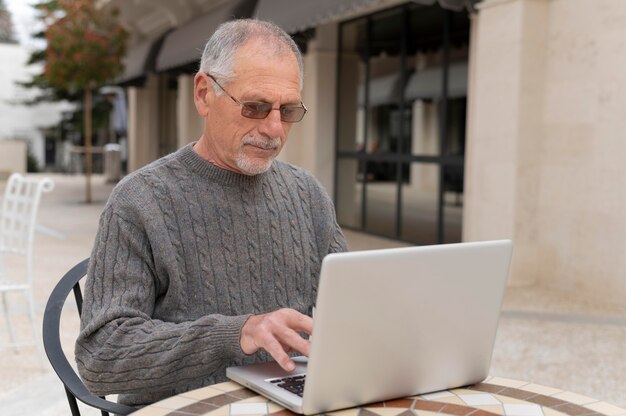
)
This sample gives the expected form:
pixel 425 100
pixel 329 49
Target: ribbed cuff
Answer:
pixel 230 332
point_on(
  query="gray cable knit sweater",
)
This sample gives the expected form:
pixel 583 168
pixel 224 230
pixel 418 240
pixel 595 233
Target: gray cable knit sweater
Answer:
pixel 185 252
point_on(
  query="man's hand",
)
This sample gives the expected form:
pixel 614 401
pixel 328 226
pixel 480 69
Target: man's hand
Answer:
pixel 277 333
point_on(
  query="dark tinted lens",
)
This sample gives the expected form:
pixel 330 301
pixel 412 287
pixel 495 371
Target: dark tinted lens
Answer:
pixel 255 110
pixel 291 114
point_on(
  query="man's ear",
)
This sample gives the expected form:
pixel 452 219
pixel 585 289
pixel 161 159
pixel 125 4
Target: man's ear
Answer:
pixel 203 93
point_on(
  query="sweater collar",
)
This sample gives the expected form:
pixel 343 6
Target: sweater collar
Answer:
pixel 209 171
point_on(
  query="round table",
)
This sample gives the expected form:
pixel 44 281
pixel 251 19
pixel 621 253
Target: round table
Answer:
pixel 494 397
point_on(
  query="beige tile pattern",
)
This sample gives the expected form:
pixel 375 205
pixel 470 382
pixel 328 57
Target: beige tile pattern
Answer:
pixel 203 393
pixel 452 400
pixel 606 409
pixel 498 409
pixel 222 411
pixel 152 411
pixel 485 399
pixel 227 386
pixel 274 408
pixel 551 412
pixel 249 408
pixel 347 412
pixel 389 411
pixel 539 389
pixel 175 402
pixel 507 382
pixel 574 398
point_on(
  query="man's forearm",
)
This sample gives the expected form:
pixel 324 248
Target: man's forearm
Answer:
pixel 136 355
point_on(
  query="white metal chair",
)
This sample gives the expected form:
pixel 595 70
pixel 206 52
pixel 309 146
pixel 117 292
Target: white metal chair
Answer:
pixel 17 226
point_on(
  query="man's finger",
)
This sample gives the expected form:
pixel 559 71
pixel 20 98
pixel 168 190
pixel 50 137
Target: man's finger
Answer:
pixel 275 349
pixel 293 341
pixel 299 322
pixel 276 332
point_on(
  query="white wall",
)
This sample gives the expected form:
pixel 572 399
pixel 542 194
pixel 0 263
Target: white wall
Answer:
pixel 19 121
pixel 12 157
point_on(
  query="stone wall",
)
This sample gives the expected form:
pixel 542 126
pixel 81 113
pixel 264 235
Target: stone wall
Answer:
pixel 546 140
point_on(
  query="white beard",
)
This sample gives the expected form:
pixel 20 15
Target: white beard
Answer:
pixel 255 166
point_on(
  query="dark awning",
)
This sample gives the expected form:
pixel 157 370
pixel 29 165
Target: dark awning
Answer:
pixel 297 16
pixel 426 84
pixel 423 85
pixel 382 91
pixel 184 45
pixel 138 61
pixel 455 5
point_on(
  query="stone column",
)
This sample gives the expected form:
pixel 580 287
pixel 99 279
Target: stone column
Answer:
pixel 507 67
pixel 190 124
pixel 143 123
pixel 312 141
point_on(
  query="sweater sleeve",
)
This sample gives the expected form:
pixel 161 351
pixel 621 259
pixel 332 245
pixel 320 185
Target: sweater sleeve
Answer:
pixel 121 348
pixel 338 243
pixel 332 239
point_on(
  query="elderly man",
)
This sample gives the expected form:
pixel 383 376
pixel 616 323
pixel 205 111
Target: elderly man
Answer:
pixel 210 256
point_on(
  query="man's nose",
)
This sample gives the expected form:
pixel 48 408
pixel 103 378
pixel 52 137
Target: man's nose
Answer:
pixel 271 125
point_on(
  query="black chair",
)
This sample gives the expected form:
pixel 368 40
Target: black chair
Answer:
pixel 74 387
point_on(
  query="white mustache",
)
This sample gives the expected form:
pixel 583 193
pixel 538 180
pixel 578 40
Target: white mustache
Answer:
pixel 268 144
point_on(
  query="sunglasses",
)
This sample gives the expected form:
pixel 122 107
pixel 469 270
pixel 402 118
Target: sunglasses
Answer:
pixel 259 110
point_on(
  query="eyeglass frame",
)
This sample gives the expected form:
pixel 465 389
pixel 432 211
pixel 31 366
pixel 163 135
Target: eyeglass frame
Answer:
pixel 243 105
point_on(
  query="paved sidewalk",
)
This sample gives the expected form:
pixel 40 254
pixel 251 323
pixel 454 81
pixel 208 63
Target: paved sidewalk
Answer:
pixel 544 336
pixel 25 387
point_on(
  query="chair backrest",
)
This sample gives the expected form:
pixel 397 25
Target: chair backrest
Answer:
pixel 74 387
pixel 18 213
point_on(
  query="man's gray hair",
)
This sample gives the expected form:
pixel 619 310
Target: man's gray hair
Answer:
pixel 219 52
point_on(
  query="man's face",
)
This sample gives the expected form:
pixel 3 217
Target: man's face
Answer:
pixel 246 145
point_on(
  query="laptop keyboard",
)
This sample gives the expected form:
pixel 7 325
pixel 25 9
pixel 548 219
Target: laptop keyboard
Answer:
pixel 293 384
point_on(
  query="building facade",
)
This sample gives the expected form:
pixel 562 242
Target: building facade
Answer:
pixel 432 121
pixel 23 126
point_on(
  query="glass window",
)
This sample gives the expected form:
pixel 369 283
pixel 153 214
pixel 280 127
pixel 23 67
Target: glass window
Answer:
pixel 381 198
pixel 420 201
pixel 400 156
pixel 385 82
pixel 455 134
pixel 352 75
pixel 424 128
pixel 349 191
pixel 452 203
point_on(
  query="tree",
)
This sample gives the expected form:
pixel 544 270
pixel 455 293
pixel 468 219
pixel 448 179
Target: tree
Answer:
pixel 85 46
pixel 6 26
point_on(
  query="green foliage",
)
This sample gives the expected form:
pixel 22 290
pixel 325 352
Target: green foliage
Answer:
pixel 31 162
pixel 75 121
pixel 47 92
pixel 85 45
pixel 49 11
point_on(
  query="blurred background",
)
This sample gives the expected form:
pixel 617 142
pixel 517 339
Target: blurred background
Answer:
pixel 430 121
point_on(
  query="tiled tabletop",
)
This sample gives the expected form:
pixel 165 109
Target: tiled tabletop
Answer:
pixel 493 397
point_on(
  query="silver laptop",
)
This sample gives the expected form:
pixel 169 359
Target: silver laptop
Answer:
pixel 393 323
